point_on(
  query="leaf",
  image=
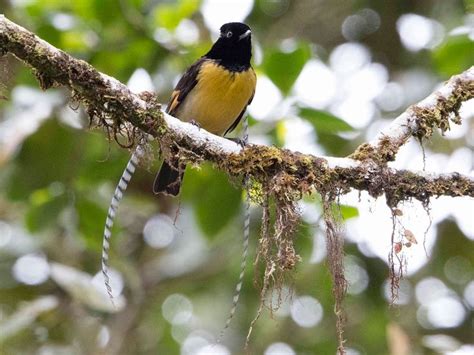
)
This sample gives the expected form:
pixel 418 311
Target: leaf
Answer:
pixel 304 240
pixel 398 212
pixel 345 211
pixel 91 221
pixel 454 56
pixel 283 68
pixel 215 200
pixel 397 247
pixel 45 207
pixel 324 121
pixel 349 212
pixel 170 15
pixel 45 157
pixel 334 144
pixel 410 237
pixel 100 162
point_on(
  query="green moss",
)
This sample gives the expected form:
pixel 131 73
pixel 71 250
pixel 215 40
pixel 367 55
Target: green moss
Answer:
pixel 445 110
pixel 363 152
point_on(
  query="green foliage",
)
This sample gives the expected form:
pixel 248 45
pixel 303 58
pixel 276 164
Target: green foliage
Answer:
pixel 348 212
pixel 170 14
pixel 100 161
pixel 323 121
pixel 334 144
pixel 44 158
pixel 284 67
pixel 454 56
pixel 91 219
pixel 304 240
pixel 45 207
pixel 216 202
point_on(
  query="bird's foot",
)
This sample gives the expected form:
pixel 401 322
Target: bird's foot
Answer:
pixel 195 123
pixel 242 142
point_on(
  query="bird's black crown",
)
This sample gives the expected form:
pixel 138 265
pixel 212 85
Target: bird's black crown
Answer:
pixel 233 49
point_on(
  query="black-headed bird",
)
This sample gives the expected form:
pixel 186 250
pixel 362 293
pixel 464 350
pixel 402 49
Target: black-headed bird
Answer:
pixel 213 93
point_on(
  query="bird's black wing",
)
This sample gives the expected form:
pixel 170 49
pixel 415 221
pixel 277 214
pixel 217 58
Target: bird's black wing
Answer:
pixel 187 82
pixel 237 120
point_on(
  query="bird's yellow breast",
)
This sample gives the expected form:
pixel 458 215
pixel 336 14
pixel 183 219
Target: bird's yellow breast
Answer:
pixel 218 98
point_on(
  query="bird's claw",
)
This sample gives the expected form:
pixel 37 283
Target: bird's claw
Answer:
pixel 242 142
pixel 195 123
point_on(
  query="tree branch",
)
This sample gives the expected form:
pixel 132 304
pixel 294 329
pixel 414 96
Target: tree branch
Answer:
pixel 109 100
pixel 420 120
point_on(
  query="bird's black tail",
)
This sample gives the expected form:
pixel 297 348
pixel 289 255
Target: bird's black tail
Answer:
pixel 168 180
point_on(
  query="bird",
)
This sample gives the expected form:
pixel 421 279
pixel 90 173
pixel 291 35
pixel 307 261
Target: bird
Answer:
pixel 213 94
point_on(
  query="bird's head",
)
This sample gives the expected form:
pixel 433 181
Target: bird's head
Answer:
pixel 233 33
pixel 233 47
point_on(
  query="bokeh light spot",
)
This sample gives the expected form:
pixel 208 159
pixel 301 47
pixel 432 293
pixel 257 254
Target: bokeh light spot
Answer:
pixel 458 270
pixel 177 309
pixel 349 57
pixel 140 81
pixel 316 85
pixel 267 97
pixel 430 289
pixel 357 26
pixel 187 32
pixel 216 12
pixel 213 349
pixel 115 280
pixel 31 269
pixel 63 21
pixel 306 311
pixel 391 98
pixel 319 248
pixel 444 312
pixel 469 294
pixel 159 231
pixel 279 349
pixel 356 276
pixel 5 233
pixel 418 32
pixel 404 292
pixel 103 337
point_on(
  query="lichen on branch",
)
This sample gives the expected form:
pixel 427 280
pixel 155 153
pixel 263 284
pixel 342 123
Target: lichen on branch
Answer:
pixel 437 111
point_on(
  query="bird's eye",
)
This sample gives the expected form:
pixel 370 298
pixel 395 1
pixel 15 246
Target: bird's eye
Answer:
pixel 228 34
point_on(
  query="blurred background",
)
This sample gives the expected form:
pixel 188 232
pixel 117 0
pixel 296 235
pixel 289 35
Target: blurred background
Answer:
pixel 331 74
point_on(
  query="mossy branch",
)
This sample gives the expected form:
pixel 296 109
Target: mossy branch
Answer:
pixel 109 100
pixel 437 111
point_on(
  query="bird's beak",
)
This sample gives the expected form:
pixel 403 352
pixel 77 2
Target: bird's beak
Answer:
pixel 246 34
